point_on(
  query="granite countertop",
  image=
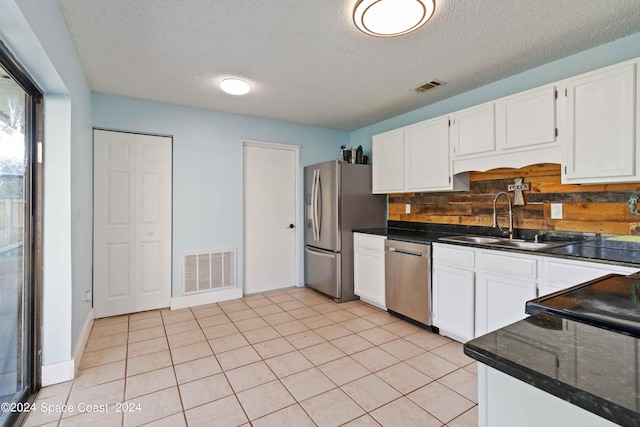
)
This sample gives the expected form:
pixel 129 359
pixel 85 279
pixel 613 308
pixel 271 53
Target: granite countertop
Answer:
pixel 415 236
pixel 601 249
pixel 591 367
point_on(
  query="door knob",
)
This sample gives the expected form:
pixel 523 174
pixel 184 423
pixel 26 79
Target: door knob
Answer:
pixel 291 226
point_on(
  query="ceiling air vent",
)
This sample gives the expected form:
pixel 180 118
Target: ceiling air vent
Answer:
pixel 428 86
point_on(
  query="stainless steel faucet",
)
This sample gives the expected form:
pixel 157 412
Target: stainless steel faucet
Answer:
pixel 495 215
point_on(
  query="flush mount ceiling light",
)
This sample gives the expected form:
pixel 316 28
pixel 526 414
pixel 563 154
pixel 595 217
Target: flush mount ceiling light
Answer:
pixel 235 86
pixel 385 18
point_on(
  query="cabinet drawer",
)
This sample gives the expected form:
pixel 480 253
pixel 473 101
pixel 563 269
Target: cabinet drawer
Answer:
pixel 369 241
pixel 576 273
pixel 453 255
pixel 512 265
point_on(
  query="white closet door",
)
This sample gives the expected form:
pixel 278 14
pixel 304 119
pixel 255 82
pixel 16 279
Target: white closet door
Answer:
pixel 132 222
pixel 152 223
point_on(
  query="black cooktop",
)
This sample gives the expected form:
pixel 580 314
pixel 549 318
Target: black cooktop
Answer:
pixel 612 301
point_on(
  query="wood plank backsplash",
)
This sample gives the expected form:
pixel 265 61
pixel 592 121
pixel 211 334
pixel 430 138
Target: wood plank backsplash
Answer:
pixel 601 208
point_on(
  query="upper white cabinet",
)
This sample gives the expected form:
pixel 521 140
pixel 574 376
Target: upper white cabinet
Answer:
pixel 388 161
pixel 427 161
pixel 415 158
pixel 473 130
pixel 600 119
pixel 589 123
pixel 514 131
pixel 526 119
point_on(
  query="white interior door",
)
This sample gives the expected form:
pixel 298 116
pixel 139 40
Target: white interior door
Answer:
pixel 132 222
pixel 270 182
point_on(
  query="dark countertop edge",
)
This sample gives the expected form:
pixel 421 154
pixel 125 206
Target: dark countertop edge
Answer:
pixel 587 401
pixel 426 237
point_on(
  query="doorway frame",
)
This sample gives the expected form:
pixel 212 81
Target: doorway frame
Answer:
pixel 33 223
pixel 298 214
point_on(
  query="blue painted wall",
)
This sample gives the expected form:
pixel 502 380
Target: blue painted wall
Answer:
pixel 207 167
pixel 601 56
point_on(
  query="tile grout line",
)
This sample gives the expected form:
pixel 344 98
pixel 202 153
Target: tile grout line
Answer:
pixel 358 308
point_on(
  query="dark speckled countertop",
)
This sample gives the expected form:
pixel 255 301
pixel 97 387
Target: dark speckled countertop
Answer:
pixel 591 367
pixel 415 236
pixel 594 249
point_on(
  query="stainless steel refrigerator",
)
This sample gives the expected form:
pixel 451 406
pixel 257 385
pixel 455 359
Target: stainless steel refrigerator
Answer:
pixel 337 199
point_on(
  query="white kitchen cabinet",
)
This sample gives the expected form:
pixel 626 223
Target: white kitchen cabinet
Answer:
pixel 476 291
pixel 388 162
pixel 505 282
pixel 599 133
pixel 454 302
pixel 473 130
pixel 368 268
pixel 504 401
pixel 559 273
pixel 427 158
pixel 527 119
pixel 425 164
pixel 453 284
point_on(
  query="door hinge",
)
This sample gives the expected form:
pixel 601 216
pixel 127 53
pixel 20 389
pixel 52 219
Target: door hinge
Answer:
pixel 565 170
pixel 556 93
pixel 565 92
pixel 556 132
pixel 449 123
pixel 449 180
pixel 39 152
pixel 537 292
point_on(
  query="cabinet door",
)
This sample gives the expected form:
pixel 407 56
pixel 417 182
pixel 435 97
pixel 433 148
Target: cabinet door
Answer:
pixel 454 302
pixel 368 275
pixel 428 165
pixel 501 301
pixel 473 130
pixel 600 126
pixel 388 161
pixel 526 119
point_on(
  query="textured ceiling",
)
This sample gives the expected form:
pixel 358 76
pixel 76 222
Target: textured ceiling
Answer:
pixel 308 64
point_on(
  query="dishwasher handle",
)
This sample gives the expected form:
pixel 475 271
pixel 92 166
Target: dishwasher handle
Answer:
pixel 404 251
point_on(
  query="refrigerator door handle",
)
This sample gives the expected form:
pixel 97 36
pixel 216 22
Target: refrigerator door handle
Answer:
pixel 313 205
pixel 314 197
pixel 319 205
pixel 320 254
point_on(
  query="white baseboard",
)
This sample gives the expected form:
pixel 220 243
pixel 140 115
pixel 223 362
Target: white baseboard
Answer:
pixel 57 373
pixel 205 298
pixel 65 371
pixel 82 342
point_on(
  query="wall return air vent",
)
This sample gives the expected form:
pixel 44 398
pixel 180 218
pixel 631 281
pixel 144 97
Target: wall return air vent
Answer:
pixel 428 86
pixel 208 271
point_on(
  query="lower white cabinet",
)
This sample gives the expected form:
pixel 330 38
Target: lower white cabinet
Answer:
pixel 506 281
pixel 504 401
pixel 476 291
pixel 368 268
pixel 453 285
pixel 559 274
pixel 454 302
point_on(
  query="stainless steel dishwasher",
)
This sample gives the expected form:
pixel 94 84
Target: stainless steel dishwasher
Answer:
pixel 408 279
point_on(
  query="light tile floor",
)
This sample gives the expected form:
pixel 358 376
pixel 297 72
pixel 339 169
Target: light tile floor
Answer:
pixel 284 358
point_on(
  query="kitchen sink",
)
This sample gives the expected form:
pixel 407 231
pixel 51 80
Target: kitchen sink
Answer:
pixel 472 239
pixel 504 243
